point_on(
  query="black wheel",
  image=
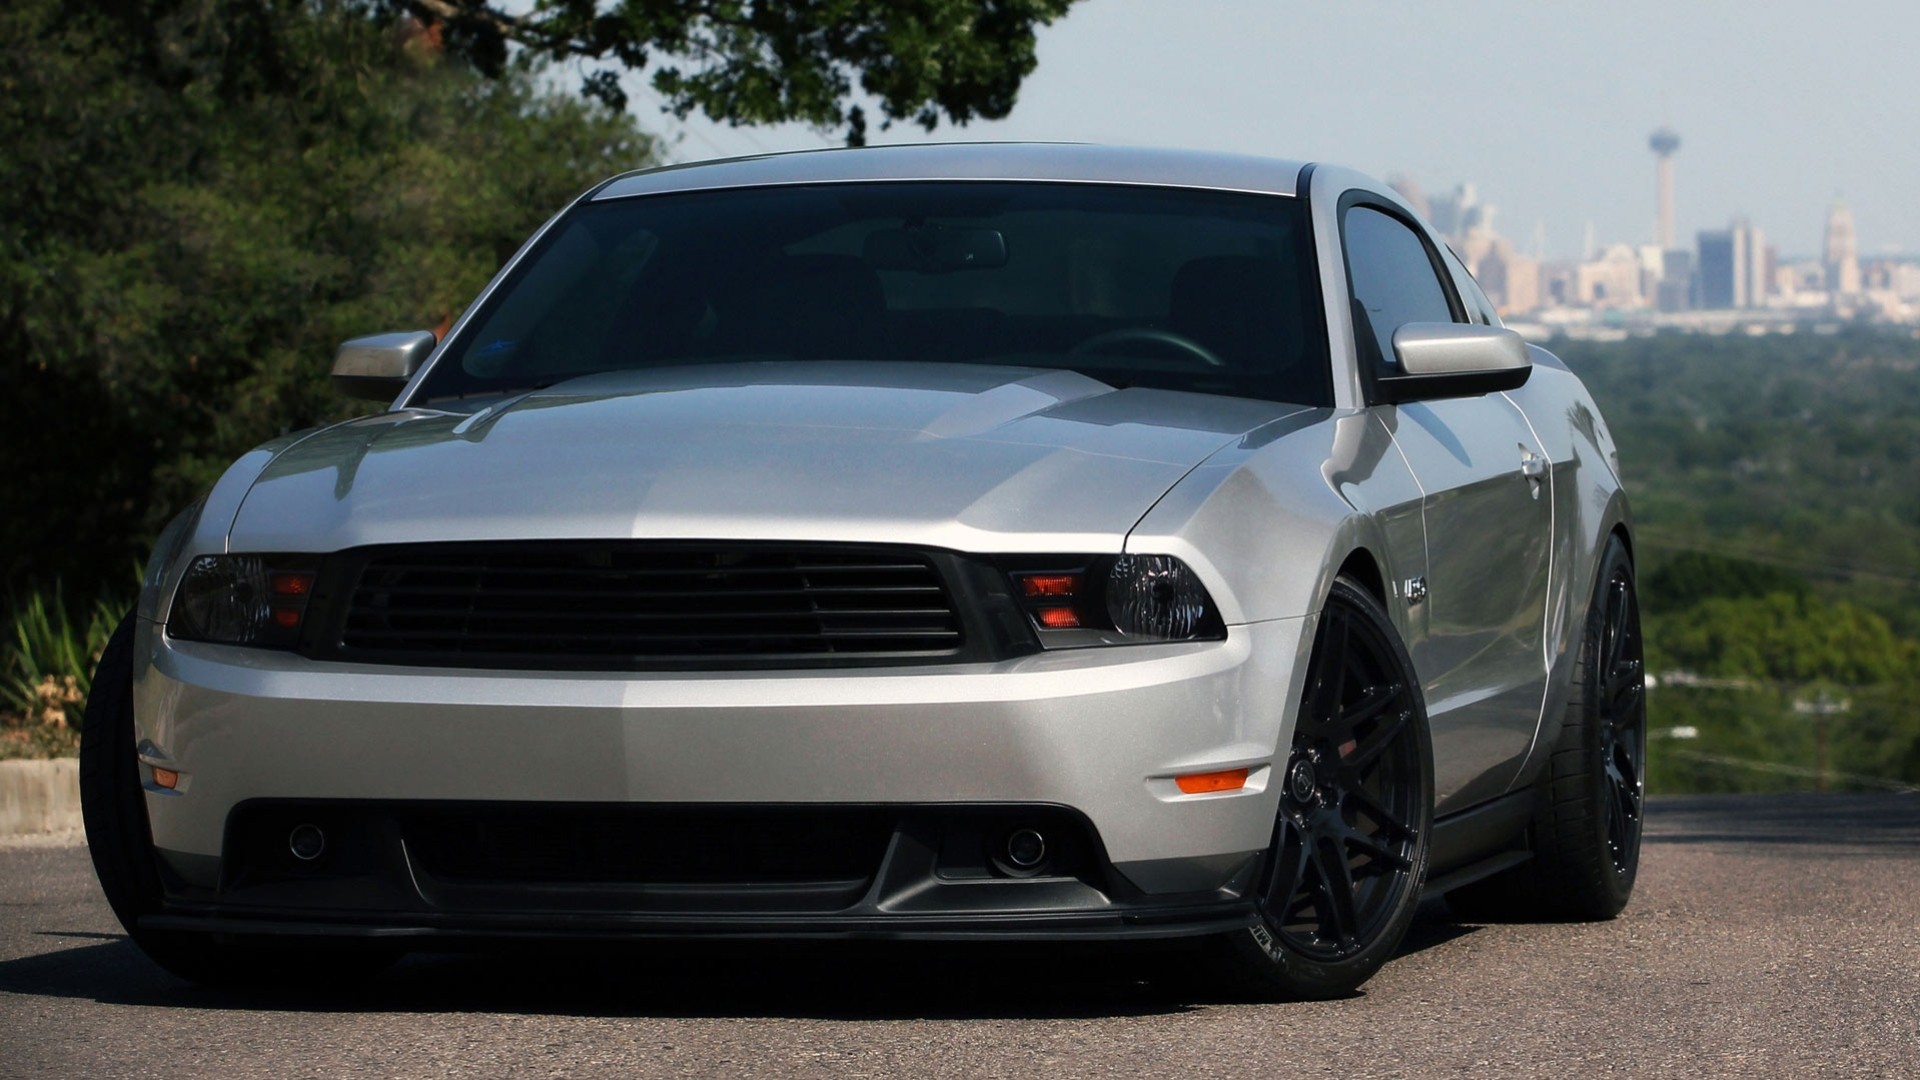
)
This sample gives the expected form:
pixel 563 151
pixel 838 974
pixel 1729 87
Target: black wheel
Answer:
pixel 114 809
pixel 1356 808
pixel 1589 802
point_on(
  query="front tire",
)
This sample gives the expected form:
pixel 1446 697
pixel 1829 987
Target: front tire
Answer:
pixel 1351 842
pixel 114 810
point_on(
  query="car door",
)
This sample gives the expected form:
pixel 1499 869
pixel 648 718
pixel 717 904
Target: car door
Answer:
pixel 1481 604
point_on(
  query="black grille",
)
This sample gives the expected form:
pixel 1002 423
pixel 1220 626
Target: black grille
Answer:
pixel 635 604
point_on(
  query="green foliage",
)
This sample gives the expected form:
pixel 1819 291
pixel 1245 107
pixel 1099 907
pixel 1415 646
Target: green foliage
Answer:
pixel 199 199
pixel 46 671
pixel 1796 450
pixel 1784 638
pixel 1690 577
pixel 1773 480
pixel 759 63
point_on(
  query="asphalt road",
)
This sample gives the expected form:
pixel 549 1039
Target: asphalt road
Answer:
pixel 1774 936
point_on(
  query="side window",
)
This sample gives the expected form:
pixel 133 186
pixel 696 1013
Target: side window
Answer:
pixel 1393 283
pixel 1472 297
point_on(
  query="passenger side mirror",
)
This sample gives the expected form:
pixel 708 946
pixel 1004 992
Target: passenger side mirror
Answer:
pixel 1443 360
pixel 377 368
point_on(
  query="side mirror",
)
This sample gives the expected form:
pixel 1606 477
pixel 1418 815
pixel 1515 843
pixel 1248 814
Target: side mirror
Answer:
pixel 1443 360
pixel 377 368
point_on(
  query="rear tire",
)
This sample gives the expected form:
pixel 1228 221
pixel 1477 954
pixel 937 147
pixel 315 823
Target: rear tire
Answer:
pixel 114 809
pixel 1350 845
pixel 1589 802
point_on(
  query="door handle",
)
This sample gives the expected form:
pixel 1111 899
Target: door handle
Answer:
pixel 1534 468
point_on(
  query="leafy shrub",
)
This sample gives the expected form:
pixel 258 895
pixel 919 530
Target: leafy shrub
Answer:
pixel 46 670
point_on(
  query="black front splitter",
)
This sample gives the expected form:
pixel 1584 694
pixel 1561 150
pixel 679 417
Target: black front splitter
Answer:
pixel 454 931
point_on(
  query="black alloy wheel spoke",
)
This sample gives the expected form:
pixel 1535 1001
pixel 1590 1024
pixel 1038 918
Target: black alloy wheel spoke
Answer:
pixel 1372 701
pixel 1388 825
pixel 1359 763
pixel 1348 835
pixel 1328 678
pixel 1625 787
pixel 1623 690
pixel 1293 870
pixel 1338 921
pixel 1381 859
pixel 1613 643
pixel 1617 825
pixel 1622 716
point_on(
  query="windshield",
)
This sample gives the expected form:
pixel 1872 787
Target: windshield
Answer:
pixel 1136 286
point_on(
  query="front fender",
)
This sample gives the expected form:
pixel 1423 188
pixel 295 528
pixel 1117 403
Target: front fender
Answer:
pixel 1267 522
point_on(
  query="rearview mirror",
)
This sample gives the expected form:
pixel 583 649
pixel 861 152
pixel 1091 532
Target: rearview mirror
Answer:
pixel 935 249
pixel 377 368
pixel 1443 360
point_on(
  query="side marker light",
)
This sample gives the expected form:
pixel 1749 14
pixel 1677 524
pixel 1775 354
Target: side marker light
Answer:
pixel 1203 783
pixel 166 778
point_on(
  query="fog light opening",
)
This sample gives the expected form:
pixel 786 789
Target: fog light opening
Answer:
pixel 1026 848
pixel 307 842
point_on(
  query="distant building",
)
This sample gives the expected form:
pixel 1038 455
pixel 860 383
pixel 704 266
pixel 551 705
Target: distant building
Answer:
pixel 1511 280
pixel 1897 276
pixel 1663 143
pixel 1610 281
pixel 1732 271
pixel 1842 255
pixel 1716 280
pixel 1754 269
pixel 1676 288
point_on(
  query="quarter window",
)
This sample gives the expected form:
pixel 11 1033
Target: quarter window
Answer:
pixel 1393 283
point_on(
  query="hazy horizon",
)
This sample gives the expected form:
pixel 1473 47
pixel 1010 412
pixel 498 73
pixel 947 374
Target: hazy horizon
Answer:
pixel 1546 110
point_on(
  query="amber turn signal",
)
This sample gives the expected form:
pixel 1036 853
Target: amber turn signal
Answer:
pixel 1202 783
pixel 166 778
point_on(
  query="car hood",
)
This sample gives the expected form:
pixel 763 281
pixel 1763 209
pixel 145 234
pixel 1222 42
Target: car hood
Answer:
pixel 956 456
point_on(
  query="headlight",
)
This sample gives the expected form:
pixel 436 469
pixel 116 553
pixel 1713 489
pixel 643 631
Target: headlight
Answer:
pixel 243 600
pixel 1076 601
pixel 1156 597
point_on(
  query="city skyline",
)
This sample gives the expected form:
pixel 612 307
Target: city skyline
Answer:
pixel 1547 110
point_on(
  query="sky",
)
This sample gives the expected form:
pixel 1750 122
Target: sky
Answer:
pixel 1545 106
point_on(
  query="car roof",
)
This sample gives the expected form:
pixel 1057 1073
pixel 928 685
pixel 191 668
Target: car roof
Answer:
pixel 1052 162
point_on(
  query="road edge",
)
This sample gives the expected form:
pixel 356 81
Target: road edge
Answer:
pixel 40 798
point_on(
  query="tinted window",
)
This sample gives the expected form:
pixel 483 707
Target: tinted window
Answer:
pixel 1178 289
pixel 1393 283
pixel 1479 308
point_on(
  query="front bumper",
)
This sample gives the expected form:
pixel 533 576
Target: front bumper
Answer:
pixel 1094 734
pixel 459 871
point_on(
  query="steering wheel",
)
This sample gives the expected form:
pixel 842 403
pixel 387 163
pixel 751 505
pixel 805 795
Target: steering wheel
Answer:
pixel 1154 334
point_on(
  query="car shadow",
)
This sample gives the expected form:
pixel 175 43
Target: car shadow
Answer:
pixel 836 981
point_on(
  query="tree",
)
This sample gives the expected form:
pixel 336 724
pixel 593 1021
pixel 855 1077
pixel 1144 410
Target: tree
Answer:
pixel 1690 577
pixel 1784 638
pixel 756 62
pixel 198 200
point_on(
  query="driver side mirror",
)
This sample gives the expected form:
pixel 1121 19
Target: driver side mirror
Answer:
pixel 377 368
pixel 1443 360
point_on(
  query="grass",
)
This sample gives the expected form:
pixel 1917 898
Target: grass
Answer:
pixel 46 670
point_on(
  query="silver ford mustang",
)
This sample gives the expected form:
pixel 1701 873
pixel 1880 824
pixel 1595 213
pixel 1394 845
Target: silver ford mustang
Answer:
pixel 990 542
